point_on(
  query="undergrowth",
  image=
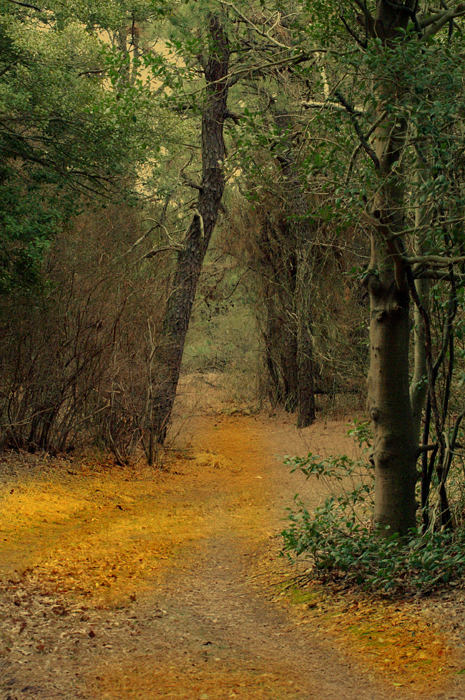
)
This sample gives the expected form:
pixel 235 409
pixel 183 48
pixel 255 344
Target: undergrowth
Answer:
pixel 339 541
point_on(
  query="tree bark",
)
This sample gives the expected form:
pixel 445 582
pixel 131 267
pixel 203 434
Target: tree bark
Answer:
pixel 419 383
pixel 191 256
pixel 395 444
pixel 302 239
pixel 278 273
pixel 306 412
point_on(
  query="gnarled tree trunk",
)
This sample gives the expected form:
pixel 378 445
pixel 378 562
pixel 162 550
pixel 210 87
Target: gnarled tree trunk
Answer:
pixel 195 245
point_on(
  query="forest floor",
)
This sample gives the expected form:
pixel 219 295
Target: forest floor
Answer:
pixel 137 583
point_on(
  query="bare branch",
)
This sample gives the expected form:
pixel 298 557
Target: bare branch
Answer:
pixel 245 19
pixel 437 275
pixel 190 182
pixel 26 4
pixel 327 104
pixel 369 20
pixel 236 118
pixel 426 448
pixel 353 118
pixel 91 72
pixel 443 19
pixel 353 34
pixel 163 249
pixel 358 148
pixel 434 260
pixel 427 21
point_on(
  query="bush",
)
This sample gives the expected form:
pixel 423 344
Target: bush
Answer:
pixel 340 542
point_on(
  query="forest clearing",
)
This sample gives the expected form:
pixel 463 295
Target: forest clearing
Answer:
pixel 123 583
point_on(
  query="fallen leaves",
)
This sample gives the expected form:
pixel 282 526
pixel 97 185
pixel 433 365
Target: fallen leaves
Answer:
pixel 100 538
pixel 145 678
pixel 392 638
pixel 101 535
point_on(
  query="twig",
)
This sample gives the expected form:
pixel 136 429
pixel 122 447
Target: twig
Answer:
pixel 163 249
pixel 186 179
pixel 357 150
pixel 353 117
pixel 26 4
pixel 254 26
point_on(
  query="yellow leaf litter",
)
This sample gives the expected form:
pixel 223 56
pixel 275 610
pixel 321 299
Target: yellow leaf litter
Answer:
pixel 107 534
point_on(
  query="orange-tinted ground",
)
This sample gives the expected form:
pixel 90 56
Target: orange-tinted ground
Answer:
pixel 135 583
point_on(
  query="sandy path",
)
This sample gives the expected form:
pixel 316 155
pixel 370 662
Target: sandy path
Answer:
pixel 220 636
pixel 208 630
pixel 218 621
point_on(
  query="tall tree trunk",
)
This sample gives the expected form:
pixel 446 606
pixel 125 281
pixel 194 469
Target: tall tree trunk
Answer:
pixel 276 264
pixel 395 444
pixel 419 383
pixel 303 242
pixel 190 258
pixel 306 413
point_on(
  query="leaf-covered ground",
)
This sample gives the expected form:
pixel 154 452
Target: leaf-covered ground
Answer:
pixel 136 583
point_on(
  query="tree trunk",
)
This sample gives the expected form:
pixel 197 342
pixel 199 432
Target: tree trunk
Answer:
pixel 419 383
pixel 302 239
pixel 277 267
pixel 306 408
pixel 395 444
pixel 190 258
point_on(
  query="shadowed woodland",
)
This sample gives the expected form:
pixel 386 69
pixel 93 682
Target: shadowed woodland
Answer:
pixel 266 197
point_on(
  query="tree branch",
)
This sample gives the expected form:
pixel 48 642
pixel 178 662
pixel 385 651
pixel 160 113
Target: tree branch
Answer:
pixel 438 21
pixel 254 26
pixel 163 249
pixel 368 17
pixel 436 275
pixel 190 182
pixel 357 148
pixel 327 104
pixel 353 34
pixel 92 72
pixel 435 260
pixel 353 118
pixel 26 4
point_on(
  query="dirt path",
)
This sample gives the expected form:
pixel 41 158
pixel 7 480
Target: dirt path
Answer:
pixel 206 626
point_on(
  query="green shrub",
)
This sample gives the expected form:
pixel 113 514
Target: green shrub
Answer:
pixel 339 540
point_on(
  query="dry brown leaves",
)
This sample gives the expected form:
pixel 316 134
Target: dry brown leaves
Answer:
pixel 100 535
pixel 144 679
pixel 393 639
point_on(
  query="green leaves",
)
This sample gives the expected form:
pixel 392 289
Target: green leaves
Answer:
pixel 69 128
pixel 339 540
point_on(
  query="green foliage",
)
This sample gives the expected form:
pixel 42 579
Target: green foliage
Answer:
pixel 68 130
pixel 341 549
pixel 30 215
pixel 341 544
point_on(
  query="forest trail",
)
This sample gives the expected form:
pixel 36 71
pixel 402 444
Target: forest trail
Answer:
pixel 193 610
